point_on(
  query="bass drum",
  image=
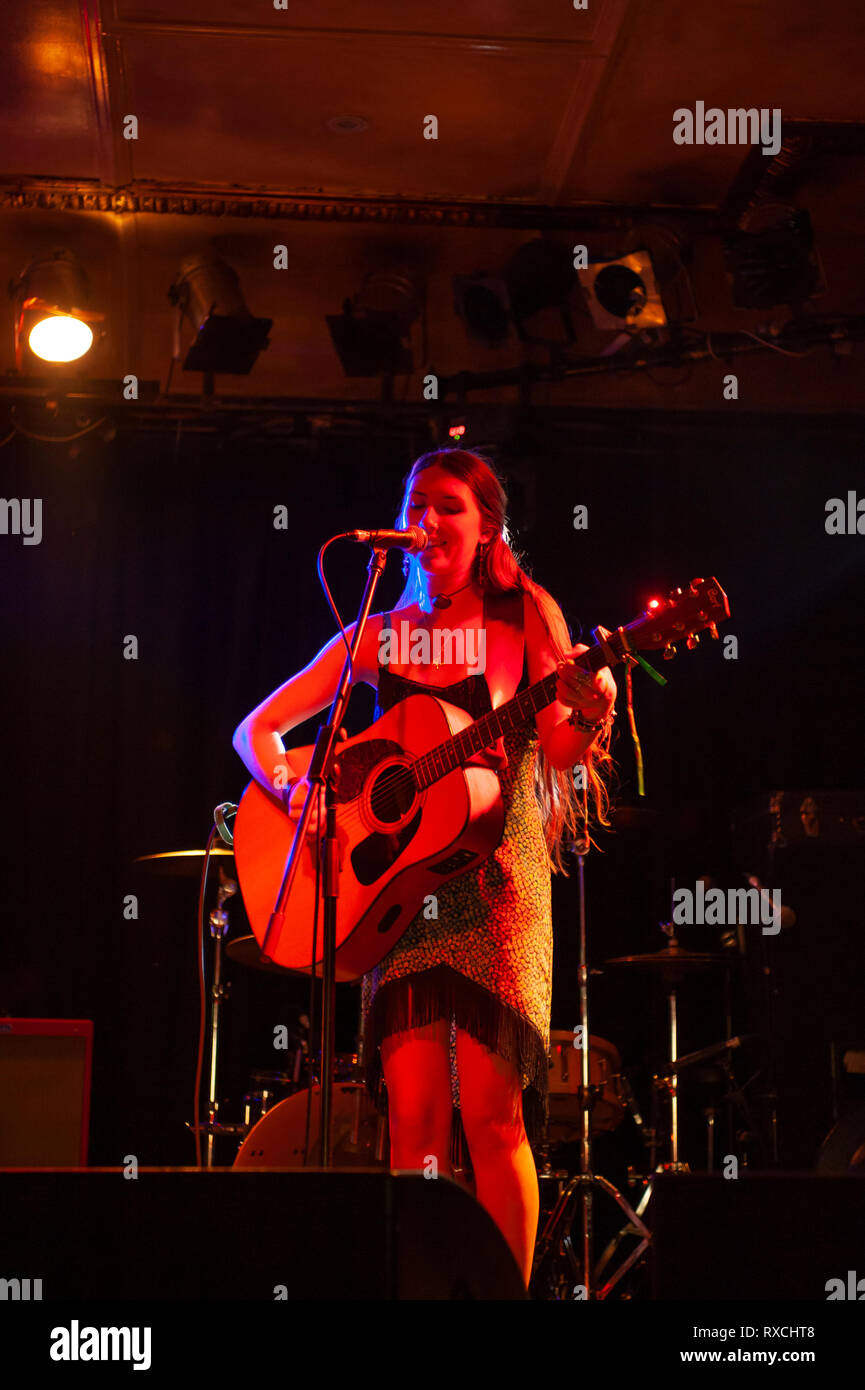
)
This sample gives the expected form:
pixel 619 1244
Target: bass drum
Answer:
pixel 358 1133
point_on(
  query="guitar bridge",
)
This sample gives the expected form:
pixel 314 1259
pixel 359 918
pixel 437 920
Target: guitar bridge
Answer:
pixel 458 860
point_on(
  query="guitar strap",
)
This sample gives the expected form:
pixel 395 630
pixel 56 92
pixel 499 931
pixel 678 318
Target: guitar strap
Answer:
pixel 505 647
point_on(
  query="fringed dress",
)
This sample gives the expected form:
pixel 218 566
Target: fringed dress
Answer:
pixel 485 963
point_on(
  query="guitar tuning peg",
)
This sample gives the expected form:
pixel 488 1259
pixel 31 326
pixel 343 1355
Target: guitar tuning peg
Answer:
pixel 714 632
pixel 669 652
pixel 692 642
pixel 695 584
pixel 675 593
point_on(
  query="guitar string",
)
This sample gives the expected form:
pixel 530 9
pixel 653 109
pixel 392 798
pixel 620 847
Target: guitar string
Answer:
pixel 400 778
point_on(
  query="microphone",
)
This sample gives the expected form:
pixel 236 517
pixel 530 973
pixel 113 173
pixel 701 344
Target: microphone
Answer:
pixel 414 539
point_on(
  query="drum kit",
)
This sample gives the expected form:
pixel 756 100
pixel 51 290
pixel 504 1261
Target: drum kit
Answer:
pixel 610 1103
pixel 282 1109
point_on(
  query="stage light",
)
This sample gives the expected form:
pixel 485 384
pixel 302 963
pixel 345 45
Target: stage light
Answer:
pixel 60 338
pixel 369 335
pixel 622 294
pixel 51 319
pixel 773 260
pixel 484 305
pixel 540 276
pixel 228 339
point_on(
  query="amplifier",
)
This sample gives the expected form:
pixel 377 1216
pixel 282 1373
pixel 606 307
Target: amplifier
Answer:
pixel 45 1071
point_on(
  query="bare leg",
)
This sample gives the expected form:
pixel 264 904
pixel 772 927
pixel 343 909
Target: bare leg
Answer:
pixel 416 1069
pixel 506 1177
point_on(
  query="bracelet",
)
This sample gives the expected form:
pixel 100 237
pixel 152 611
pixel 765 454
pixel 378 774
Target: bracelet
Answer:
pixel 577 721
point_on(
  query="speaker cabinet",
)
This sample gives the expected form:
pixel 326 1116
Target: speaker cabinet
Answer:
pixel 248 1233
pixel 45 1071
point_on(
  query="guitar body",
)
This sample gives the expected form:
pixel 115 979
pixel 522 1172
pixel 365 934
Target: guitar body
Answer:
pixel 397 845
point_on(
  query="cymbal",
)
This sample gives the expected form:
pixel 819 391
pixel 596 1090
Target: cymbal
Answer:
pixel 181 863
pixel 245 950
pixel 633 817
pixel 673 962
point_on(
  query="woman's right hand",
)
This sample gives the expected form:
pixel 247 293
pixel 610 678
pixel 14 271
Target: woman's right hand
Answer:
pixel 294 801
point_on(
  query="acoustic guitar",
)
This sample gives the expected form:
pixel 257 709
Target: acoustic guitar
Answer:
pixel 412 812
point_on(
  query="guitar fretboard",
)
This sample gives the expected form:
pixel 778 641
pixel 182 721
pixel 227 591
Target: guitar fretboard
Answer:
pixel 512 715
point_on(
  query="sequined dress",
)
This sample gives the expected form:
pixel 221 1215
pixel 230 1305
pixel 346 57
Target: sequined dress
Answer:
pixel 485 963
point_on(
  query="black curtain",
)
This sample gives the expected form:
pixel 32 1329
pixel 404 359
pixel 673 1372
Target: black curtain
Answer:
pixel 166 542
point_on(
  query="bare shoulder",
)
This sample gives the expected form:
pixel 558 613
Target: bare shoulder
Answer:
pixel 366 664
pixel 536 630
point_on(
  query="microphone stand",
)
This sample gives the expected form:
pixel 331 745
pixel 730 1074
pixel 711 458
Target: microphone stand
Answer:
pixel 323 773
pixel 582 1187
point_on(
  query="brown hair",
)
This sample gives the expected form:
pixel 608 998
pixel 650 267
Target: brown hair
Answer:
pixel 497 568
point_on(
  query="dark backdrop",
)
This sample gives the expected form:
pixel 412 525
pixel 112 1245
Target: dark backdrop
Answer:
pixel 171 539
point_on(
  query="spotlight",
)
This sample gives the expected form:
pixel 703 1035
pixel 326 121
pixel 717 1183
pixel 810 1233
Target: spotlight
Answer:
pixel 622 294
pixel 540 275
pixel 484 304
pixel 369 333
pixel 776 263
pixel 228 339
pixel 51 321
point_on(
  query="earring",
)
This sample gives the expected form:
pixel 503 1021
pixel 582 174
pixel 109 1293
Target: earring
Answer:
pixel 480 561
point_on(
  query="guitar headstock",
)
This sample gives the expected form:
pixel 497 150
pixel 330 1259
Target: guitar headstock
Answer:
pixel 680 617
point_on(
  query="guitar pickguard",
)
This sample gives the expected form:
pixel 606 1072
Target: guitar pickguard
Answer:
pixel 372 858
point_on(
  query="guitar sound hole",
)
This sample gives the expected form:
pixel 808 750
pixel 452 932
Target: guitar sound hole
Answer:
pixel 392 794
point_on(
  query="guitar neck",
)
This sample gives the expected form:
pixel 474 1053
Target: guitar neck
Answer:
pixel 512 715
pixel 665 621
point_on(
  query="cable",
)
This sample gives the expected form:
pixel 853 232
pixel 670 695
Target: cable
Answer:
pixel 57 438
pixel 775 348
pixel 201 992
pixel 333 609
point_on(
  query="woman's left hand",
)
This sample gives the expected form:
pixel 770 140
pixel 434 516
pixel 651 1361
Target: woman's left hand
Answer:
pixel 593 695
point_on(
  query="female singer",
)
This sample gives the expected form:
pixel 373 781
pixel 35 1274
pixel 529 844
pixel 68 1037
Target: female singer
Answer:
pixel 457 1015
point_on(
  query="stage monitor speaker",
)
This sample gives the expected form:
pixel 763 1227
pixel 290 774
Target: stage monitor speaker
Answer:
pixel 248 1233
pixel 758 1236
pixel 45 1071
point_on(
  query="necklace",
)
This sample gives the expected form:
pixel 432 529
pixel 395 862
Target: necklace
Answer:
pixel 444 600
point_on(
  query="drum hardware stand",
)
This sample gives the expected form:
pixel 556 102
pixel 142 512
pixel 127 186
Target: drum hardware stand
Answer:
pixel 770 1093
pixel 671 1084
pixel 219 993
pixel 581 1188
pixel 734 1095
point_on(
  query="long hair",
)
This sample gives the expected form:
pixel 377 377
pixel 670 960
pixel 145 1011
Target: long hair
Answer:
pixel 565 808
